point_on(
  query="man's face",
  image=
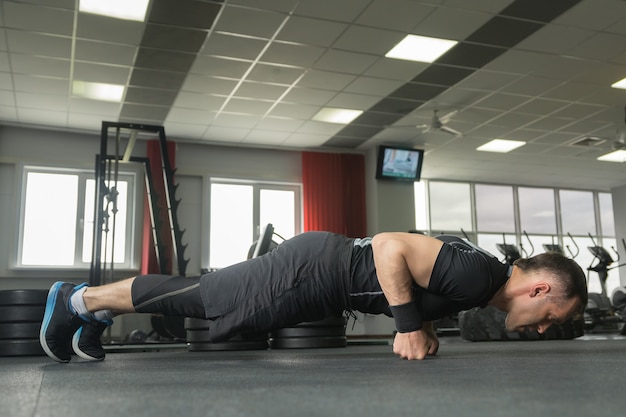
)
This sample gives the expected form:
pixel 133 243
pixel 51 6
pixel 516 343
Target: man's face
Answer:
pixel 538 312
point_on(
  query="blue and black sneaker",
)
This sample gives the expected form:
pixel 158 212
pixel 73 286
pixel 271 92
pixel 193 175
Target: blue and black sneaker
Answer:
pixel 86 341
pixel 59 322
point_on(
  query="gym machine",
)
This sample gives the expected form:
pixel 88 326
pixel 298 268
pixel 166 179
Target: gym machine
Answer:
pixel 600 311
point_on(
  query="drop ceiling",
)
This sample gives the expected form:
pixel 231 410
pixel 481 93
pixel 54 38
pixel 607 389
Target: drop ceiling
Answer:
pixel 254 73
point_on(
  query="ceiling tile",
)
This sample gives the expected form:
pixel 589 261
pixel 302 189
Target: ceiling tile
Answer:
pixel 419 92
pixel 191 14
pixel 280 124
pixel 260 91
pixel 101 73
pixel 538 10
pixel 266 137
pixel 325 80
pixel 202 84
pixel 502 31
pixel 399 15
pixel 277 5
pixel 512 119
pixel 597 14
pixel 106 53
pixel 34 65
pixel 308 96
pixel 42 117
pixel 320 128
pixel 255 107
pixel 157 79
pixel 226 134
pixel 395 69
pixel 7 98
pixel 368 40
pixel 345 142
pixel 294 111
pixel 6 81
pixel 223 44
pixel 249 22
pixel 601 47
pixel 344 11
pixel 197 101
pixel 550 123
pixel 229 68
pixel 372 86
pixel 274 74
pixel 555 39
pixel 41 85
pixel 343 61
pixel 470 55
pixel 371 118
pixel 239 120
pixel 38 44
pixel 448 23
pixel 104 29
pixel 311 31
pixel 38 19
pixel 305 140
pixel 139 112
pixel 442 75
pixel 533 86
pixel 353 101
pixel 96 107
pixel 173 38
pixel 291 54
pixel 184 130
pixel 149 96
pixel 502 101
pixel 396 106
pixel 41 101
pixel 164 60
pixel 190 116
pixel 541 106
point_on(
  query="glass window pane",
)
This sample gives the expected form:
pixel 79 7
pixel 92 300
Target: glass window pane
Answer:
pixel 277 207
pixel 536 208
pixel 421 208
pixel 494 208
pixel 50 219
pixel 607 219
pixel 120 224
pixel 585 259
pixel 450 206
pixel 577 212
pixel 489 243
pixel 231 224
pixel 533 244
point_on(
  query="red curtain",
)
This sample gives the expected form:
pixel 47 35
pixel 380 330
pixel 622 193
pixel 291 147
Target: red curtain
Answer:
pixel 149 262
pixel 333 186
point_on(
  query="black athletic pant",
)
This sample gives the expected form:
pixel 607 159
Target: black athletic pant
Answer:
pixel 168 295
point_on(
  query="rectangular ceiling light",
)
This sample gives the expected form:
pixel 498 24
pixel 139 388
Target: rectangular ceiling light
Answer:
pixel 620 84
pixel 615 156
pixel 119 9
pixel 98 91
pixel 331 115
pixel 501 145
pixel 420 48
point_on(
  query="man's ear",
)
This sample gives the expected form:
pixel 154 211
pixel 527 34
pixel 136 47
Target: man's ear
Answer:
pixel 540 288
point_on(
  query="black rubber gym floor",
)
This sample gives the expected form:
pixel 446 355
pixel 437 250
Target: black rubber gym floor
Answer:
pixel 541 378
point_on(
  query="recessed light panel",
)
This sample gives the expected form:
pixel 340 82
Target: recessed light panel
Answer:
pixel 620 84
pixel 341 116
pixel 420 48
pixel 98 91
pixel 119 9
pixel 501 145
pixel 615 156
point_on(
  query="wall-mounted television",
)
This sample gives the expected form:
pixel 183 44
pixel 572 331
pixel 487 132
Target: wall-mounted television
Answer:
pixel 399 163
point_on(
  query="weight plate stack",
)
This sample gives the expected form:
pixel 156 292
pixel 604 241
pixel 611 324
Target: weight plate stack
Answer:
pixel 198 338
pixel 327 333
pixel 21 313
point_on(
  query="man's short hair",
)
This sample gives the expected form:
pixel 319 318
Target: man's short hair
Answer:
pixel 566 271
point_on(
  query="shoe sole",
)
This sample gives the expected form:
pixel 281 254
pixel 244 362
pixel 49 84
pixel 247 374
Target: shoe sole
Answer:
pixel 50 303
pixel 79 352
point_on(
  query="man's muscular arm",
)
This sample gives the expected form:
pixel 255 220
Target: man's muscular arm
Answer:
pixel 402 259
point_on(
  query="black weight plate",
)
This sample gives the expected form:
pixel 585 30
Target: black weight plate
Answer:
pixel 330 331
pixel 23 297
pixel 308 342
pixel 175 326
pixel 25 313
pixel 19 330
pixel 202 336
pixel 25 347
pixel 196 324
pixel 248 345
pixel 328 321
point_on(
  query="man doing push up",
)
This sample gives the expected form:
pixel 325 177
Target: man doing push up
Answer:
pixel 413 278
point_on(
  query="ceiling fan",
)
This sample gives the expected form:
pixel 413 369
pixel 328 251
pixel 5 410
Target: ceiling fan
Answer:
pixel 440 124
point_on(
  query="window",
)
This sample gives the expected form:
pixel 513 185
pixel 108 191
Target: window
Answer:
pixel 537 210
pixel 607 221
pixel 577 212
pixel 56 228
pixel 421 205
pixel 494 208
pixel 239 211
pixel 450 206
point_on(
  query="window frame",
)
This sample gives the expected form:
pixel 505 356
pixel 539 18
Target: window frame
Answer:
pixel 132 236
